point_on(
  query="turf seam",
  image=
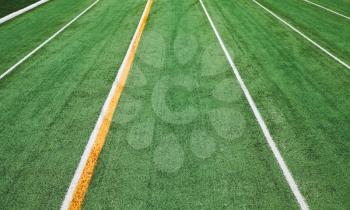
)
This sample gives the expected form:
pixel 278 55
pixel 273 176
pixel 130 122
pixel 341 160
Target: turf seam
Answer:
pixel 303 35
pixel 8 71
pixel 84 172
pixel 286 172
pixel 21 11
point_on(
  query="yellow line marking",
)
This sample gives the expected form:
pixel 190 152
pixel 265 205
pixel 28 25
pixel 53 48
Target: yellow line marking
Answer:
pixel 75 201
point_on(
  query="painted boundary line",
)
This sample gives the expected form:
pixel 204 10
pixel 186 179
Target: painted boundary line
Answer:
pixel 303 35
pixel 83 174
pixel 8 71
pixel 21 11
pixel 287 174
pixel 325 8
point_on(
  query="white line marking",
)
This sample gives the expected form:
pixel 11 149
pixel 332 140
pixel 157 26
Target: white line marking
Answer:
pixel 21 11
pixel 94 133
pixel 46 41
pixel 325 8
pixel 287 174
pixel 306 37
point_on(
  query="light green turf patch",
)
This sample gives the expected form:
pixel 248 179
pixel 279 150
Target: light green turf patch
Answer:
pixel 23 34
pixel 330 31
pixel 179 140
pixel 50 105
pixel 302 94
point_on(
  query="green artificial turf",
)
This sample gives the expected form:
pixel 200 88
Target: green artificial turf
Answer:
pixel 24 33
pixel 50 104
pixel 302 94
pixel 328 30
pixel 9 6
pixel 183 136
pixel 341 6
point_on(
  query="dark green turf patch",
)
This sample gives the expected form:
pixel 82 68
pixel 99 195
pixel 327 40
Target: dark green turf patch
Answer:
pixel 9 6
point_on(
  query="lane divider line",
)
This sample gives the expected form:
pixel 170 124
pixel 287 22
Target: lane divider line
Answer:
pixel 325 8
pixel 303 35
pixel 286 172
pixel 8 71
pixel 83 174
pixel 21 11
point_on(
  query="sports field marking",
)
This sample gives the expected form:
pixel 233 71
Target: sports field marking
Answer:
pixel 46 41
pixel 303 35
pixel 325 8
pixel 21 11
pixel 287 174
pixel 83 174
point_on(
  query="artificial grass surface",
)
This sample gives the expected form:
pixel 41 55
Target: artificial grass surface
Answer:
pixel 50 105
pixel 302 94
pixel 341 6
pixel 24 33
pixel 330 31
pixel 9 6
pixel 183 136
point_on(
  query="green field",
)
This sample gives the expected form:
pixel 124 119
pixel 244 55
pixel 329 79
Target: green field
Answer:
pixel 183 135
pixel 341 6
pixel 327 29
